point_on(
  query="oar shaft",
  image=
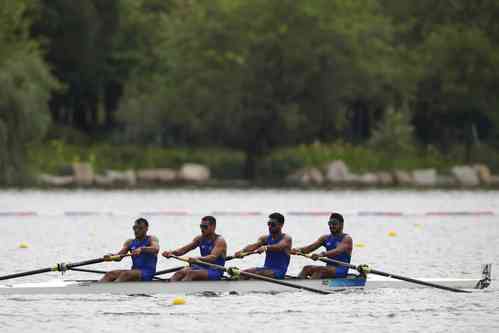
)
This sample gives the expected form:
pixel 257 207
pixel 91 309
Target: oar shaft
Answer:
pixel 255 276
pixel 171 270
pixel 389 275
pixel 100 272
pixel 244 254
pixel 421 282
pixel 62 267
pixel 282 283
pixel 88 270
pixel 175 269
pixel 33 272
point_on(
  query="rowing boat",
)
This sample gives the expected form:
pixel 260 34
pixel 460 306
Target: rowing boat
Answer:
pixel 66 287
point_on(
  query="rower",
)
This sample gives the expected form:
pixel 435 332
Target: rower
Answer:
pixel 144 250
pixel 213 249
pixel 276 246
pixel 338 247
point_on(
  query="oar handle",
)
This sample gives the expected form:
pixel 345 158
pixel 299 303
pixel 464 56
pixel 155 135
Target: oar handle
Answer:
pixel 116 257
pixel 361 268
pixel 241 256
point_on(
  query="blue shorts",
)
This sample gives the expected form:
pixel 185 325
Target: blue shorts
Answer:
pixel 278 273
pixel 341 272
pixel 146 275
pixel 213 274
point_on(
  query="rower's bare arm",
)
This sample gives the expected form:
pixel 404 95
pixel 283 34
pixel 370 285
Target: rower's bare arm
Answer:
pixel 312 247
pixel 126 246
pixel 219 249
pixel 124 250
pixel 346 245
pixel 252 247
pixel 283 245
pixel 154 247
pixel 187 248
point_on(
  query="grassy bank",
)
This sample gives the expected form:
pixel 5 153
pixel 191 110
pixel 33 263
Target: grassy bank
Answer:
pixel 55 157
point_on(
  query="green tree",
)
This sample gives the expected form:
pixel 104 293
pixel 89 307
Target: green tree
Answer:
pixel 455 44
pixel 394 134
pixel 26 85
pixel 260 74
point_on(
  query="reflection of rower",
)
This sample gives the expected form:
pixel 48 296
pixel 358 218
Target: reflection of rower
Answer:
pixel 144 250
pixel 338 247
pixel 213 249
pixel 276 246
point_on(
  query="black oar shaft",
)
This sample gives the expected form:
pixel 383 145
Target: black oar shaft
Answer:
pixel 88 270
pixel 175 269
pixel 86 262
pixel 170 270
pixel 60 267
pixel 389 275
pixel 255 276
pixel 282 283
pixel 33 272
pixel 421 282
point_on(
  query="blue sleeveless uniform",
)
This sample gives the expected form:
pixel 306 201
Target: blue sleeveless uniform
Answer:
pixel 205 248
pixel 145 262
pixel 277 262
pixel 330 244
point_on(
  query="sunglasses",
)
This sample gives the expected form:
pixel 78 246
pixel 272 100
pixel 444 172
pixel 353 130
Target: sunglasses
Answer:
pixel 334 222
pixel 136 227
pixel 271 224
pixel 203 226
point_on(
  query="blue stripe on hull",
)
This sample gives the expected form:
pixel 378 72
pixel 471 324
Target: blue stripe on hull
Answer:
pixel 346 282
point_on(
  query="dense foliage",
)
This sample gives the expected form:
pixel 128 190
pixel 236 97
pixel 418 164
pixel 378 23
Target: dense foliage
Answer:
pixel 250 75
pixel 25 87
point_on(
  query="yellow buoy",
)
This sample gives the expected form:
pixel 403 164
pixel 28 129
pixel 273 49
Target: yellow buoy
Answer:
pixel 392 233
pixel 23 245
pixel 178 301
pixel 360 245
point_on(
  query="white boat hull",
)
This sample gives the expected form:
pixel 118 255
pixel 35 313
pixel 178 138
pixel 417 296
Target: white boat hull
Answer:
pixel 225 286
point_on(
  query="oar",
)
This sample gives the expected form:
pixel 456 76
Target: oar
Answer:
pixel 243 254
pixel 236 271
pixel 364 269
pixel 170 270
pixel 88 270
pixel 62 267
pixel 103 272
pixel 174 269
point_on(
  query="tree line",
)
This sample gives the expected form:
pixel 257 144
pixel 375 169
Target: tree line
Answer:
pixel 247 74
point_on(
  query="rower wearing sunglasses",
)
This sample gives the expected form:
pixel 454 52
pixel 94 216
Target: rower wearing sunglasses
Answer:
pixel 213 249
pixel 276 246
pixel 144 250
pixel 338 247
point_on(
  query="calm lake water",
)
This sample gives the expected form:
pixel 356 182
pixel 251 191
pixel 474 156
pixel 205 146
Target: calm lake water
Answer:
pixel 78 225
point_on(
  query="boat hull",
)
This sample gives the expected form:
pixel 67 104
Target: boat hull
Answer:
pixel 225 286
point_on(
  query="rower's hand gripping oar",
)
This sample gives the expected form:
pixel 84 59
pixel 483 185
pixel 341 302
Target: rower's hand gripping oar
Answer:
pixel 365 269
pixel 62 267
pixel 234 271
pixel 241 256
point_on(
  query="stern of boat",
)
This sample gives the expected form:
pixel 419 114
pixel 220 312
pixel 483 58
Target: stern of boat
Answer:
pixel 486 279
